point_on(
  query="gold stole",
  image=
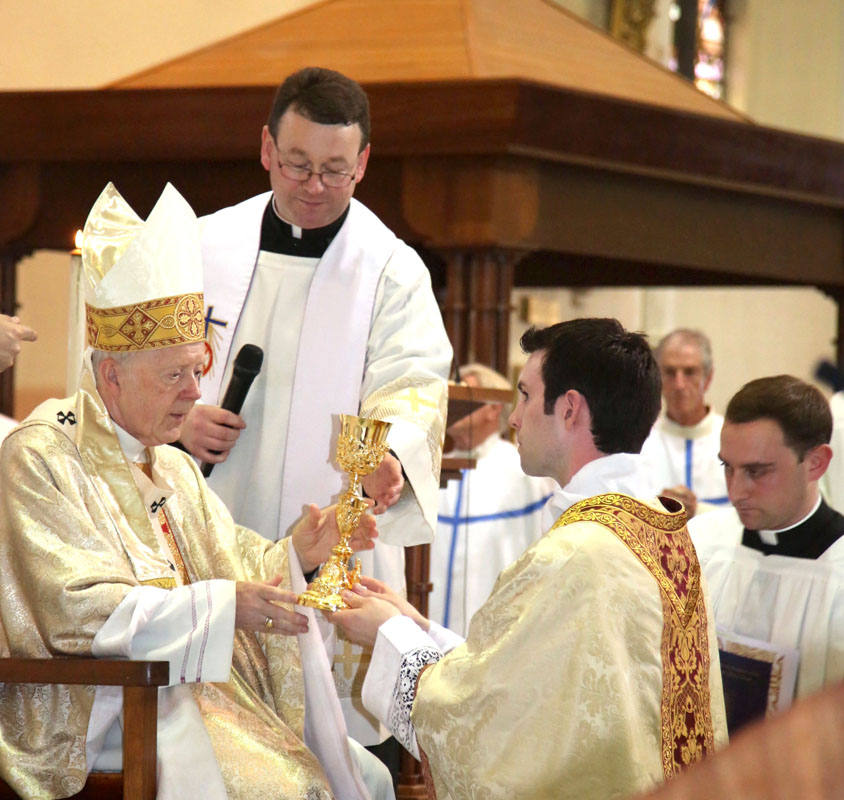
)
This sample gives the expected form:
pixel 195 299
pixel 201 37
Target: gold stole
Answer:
pixel 661 542
pixel 146 468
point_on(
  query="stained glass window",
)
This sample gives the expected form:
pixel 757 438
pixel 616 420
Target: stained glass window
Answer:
pixel 709 59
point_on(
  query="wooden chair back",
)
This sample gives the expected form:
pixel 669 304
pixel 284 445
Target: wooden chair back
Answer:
pixel 140 681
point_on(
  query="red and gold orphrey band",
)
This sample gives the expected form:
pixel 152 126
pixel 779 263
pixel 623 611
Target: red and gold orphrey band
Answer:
pixel 687 732
pixel 165 322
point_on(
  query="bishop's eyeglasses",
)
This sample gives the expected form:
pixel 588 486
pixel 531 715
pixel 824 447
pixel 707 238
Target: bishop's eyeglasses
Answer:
pixel 329 178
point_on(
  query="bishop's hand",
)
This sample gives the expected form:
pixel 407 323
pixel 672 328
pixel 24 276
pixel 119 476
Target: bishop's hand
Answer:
pixel 264 607
pixel 316 533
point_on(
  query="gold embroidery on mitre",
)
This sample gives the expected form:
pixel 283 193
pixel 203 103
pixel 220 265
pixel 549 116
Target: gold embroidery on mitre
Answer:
pixel 661 542
pixel 150 325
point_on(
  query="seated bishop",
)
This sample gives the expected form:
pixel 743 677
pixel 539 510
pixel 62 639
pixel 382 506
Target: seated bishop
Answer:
pixel 112 545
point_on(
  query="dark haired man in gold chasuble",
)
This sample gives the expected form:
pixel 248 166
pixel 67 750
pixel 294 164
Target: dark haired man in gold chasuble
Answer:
pixel 592 670
pixel 112 545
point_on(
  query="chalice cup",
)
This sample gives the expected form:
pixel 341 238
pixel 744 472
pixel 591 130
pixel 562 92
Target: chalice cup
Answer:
pixel 361 447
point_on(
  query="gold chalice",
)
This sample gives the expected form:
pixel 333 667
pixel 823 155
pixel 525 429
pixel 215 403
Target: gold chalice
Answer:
pixel 361 447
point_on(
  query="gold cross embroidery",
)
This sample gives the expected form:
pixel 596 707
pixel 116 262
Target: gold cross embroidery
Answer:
pixel 416 401
pixel 349 658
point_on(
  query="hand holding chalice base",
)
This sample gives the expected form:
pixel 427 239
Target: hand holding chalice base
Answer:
pixel 361 447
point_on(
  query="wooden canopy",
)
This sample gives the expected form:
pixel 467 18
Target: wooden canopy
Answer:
pixel 511 148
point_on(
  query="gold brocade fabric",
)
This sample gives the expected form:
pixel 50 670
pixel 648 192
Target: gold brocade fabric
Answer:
pixel 559 689
pixel 165 322
pixel 71 517
pixel 167 532
pixel 662 544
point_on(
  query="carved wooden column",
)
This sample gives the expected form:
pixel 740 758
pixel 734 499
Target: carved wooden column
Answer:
pixel 411 783
pixel 477 305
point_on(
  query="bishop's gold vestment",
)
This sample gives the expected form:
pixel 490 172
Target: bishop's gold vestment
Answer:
pixel 591 672
pixel 72 524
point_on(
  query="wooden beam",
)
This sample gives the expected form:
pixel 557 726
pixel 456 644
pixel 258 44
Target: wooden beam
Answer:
pixel 479 116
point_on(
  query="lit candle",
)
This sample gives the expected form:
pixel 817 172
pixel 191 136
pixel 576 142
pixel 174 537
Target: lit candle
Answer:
pixel 76 333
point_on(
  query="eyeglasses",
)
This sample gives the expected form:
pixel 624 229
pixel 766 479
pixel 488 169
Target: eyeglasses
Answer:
pixel 330 179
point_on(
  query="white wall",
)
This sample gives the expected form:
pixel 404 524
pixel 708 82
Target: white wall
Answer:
pixel 47 44
pixel 786 63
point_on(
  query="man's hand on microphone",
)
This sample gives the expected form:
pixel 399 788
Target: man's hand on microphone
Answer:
pixel 209 432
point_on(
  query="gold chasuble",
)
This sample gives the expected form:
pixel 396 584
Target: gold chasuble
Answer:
pixel 591 672
pixel 75 539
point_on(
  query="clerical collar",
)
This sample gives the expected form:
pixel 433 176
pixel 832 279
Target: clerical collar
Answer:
pixel 810 538
pixel 772 537
pixel 279 236
pixel 134 451
pixel 624 473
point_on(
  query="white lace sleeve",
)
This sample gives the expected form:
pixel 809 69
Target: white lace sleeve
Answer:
pixel 404 693
pixel 402 650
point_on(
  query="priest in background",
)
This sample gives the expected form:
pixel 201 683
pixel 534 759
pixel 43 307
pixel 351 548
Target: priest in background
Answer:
pixel 345 315
pixel 832 482
pixel 12 333
pixel 489 516
pixel 774 563
pixel 683 445
pixel 592 670
pixel 111 545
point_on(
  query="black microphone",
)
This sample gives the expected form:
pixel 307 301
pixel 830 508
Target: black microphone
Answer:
pixel 246 366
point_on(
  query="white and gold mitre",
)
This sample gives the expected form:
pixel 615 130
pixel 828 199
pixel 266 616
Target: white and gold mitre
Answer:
pixel 143 280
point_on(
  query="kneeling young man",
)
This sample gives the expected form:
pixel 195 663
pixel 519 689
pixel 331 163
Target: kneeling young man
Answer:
pixel 592 670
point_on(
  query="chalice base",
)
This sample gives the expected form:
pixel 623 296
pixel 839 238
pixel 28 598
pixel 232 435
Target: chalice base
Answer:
pixel 324 602
pixel 324 593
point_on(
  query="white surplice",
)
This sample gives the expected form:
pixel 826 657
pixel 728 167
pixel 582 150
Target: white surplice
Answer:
pixel 487 519
pixel 339 336
pixel 790 602
pixel 687 455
